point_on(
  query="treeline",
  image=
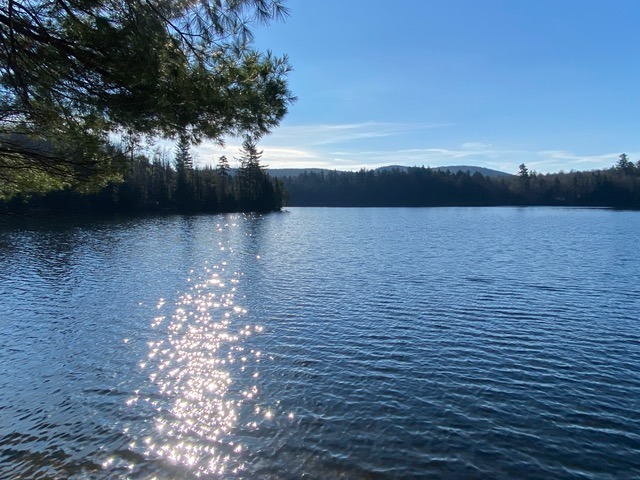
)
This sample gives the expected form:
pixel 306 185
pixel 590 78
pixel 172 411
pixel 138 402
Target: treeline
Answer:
pixel 159 184
pixel 617 187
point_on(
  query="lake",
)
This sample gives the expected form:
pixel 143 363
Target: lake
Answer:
pixel 437 343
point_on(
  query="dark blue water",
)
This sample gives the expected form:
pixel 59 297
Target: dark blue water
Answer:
pixel 322 343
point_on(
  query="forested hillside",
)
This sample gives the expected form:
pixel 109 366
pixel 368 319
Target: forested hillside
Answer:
pixel 618 186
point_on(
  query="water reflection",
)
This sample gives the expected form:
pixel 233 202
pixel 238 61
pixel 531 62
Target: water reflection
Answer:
pixel 190 369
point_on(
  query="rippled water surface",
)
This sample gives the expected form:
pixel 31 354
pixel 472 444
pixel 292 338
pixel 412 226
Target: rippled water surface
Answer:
pixel 322 343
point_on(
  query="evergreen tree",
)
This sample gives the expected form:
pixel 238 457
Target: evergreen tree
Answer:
pixel 225 195
pixel 249 174
pixel 183 158
pixel 185 198
pixel 625 165
pixel 75 73
pixel 523 171
pixel 223 167
pixel 256 191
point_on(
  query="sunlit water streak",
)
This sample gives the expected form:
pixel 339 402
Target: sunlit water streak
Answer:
pixel 189 368
pixel 322 343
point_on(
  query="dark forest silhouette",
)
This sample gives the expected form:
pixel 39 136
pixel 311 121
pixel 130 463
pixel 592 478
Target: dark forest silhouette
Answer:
pixel 159 185
pixel 617 187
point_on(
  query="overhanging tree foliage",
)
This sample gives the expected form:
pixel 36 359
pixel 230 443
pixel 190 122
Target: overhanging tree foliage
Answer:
pixel 75 72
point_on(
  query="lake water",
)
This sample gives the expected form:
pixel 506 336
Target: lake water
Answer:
pixel 441 343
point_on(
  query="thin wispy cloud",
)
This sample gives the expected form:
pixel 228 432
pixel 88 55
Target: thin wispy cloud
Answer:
pixel 475 145
pixel 299 146
pixel 506 159
pixel 407 157
pixel 273 156
pixel 555 155
pixel 340 147
pixel 330 134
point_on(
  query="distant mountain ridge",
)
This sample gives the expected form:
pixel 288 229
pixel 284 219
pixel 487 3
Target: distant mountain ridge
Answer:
pixel 487 172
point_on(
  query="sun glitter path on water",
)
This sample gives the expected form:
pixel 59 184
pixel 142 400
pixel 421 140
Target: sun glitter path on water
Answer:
pixel 192 371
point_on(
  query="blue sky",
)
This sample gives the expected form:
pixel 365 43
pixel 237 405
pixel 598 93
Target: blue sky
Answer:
pixel 492 83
